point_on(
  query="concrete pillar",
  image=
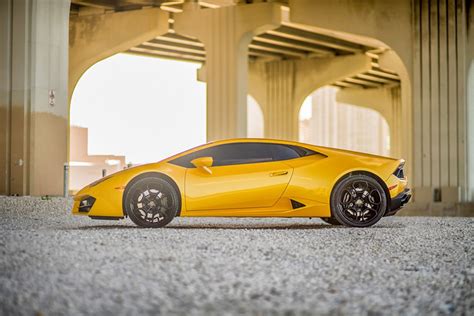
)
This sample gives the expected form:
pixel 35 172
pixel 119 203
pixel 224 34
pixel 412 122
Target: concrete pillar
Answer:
pixel 100 35
pixel 34 95
pixel 470 101
pixel 288 83
pixel 281 114
pixel 226 33
pixel 5 93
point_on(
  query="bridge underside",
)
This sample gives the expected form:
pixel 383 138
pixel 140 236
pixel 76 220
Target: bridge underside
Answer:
pixel 409 60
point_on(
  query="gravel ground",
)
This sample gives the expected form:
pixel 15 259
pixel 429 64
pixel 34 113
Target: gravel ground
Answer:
pixel 52 263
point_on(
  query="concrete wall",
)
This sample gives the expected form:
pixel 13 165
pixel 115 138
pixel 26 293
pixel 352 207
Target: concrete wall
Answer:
pixel 470 99
pixel 34 61
pixel 439 100
pixel 5 93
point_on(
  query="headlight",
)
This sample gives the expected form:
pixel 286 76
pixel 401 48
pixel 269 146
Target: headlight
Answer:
pixel 86 204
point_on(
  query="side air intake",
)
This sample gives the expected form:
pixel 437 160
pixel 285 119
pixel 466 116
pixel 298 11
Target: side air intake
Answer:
pixel 296 204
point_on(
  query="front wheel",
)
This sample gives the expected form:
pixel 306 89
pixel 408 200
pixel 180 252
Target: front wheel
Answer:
pixel 151 202
pixel 358 201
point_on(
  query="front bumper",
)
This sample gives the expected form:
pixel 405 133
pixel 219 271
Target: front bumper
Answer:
pixel 398 202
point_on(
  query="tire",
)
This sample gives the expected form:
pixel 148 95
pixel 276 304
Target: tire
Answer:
pixel 330 220
pixel 358 201
pixel 152 202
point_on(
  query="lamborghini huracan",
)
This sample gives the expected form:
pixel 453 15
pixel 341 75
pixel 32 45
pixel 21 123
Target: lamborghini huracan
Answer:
pixel 252 178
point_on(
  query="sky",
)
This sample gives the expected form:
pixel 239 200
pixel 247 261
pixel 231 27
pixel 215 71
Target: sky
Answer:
pixel 145 108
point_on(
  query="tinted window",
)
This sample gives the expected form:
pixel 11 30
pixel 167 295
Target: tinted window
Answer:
pixel 244 153
pixel 283 152
pixel 230 154
pixel 234 154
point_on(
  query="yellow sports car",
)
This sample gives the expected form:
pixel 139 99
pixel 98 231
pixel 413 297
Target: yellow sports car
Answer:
pixel 252 178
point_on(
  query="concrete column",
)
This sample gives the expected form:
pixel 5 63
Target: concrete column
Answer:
pixel 36 102
pixel 281 116
pixel 226 33
pixel 5 93
pixel 470 101
pixel 288 83
pixel 100 35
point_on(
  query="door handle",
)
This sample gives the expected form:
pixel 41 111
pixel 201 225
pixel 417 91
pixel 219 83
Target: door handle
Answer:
pixel 278 173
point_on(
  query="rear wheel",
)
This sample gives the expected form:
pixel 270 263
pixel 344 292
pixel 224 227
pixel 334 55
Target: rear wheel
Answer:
pixel 358 201
pixel 330 220
pixel 152 202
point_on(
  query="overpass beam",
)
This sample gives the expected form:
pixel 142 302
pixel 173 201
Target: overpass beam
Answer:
pixel 226 33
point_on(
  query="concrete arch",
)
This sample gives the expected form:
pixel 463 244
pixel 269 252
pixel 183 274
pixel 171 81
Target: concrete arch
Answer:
pixel 93 38
pixel 341 18
pixel 287 83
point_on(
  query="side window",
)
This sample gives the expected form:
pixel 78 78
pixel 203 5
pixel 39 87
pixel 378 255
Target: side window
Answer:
pixel 241 153
pixel 283 152
pixel 229 154
pixel 244 153
pixel 185 161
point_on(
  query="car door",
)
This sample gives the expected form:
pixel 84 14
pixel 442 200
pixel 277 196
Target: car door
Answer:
pixel 243 175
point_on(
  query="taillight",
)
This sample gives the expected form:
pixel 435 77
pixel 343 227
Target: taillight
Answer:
pixel 399 173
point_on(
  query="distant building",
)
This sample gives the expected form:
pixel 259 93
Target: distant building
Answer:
pixel 344 126
pixel 85 168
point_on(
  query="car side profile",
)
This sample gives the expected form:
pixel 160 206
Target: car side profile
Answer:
pixel 252 178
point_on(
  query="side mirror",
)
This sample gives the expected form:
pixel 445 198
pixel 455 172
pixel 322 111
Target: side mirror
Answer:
pixel 203 163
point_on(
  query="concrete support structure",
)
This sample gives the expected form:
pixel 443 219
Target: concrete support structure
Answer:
pixel 440 100
pixel 100 35
pixel 430 44
pixel 33 96
pixel 280 87
pixel 470 101
pixel 226 33
pixel 426 46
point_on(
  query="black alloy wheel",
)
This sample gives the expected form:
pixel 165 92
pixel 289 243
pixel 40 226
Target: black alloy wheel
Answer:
pixel 152 202
pixel 358 201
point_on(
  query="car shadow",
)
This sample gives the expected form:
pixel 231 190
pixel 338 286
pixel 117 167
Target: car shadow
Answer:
pixel 251 226
pixel 237 226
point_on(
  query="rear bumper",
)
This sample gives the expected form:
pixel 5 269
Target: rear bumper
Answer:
pixel 398 202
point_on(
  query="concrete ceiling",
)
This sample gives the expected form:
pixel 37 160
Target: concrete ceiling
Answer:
pixel 289 41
